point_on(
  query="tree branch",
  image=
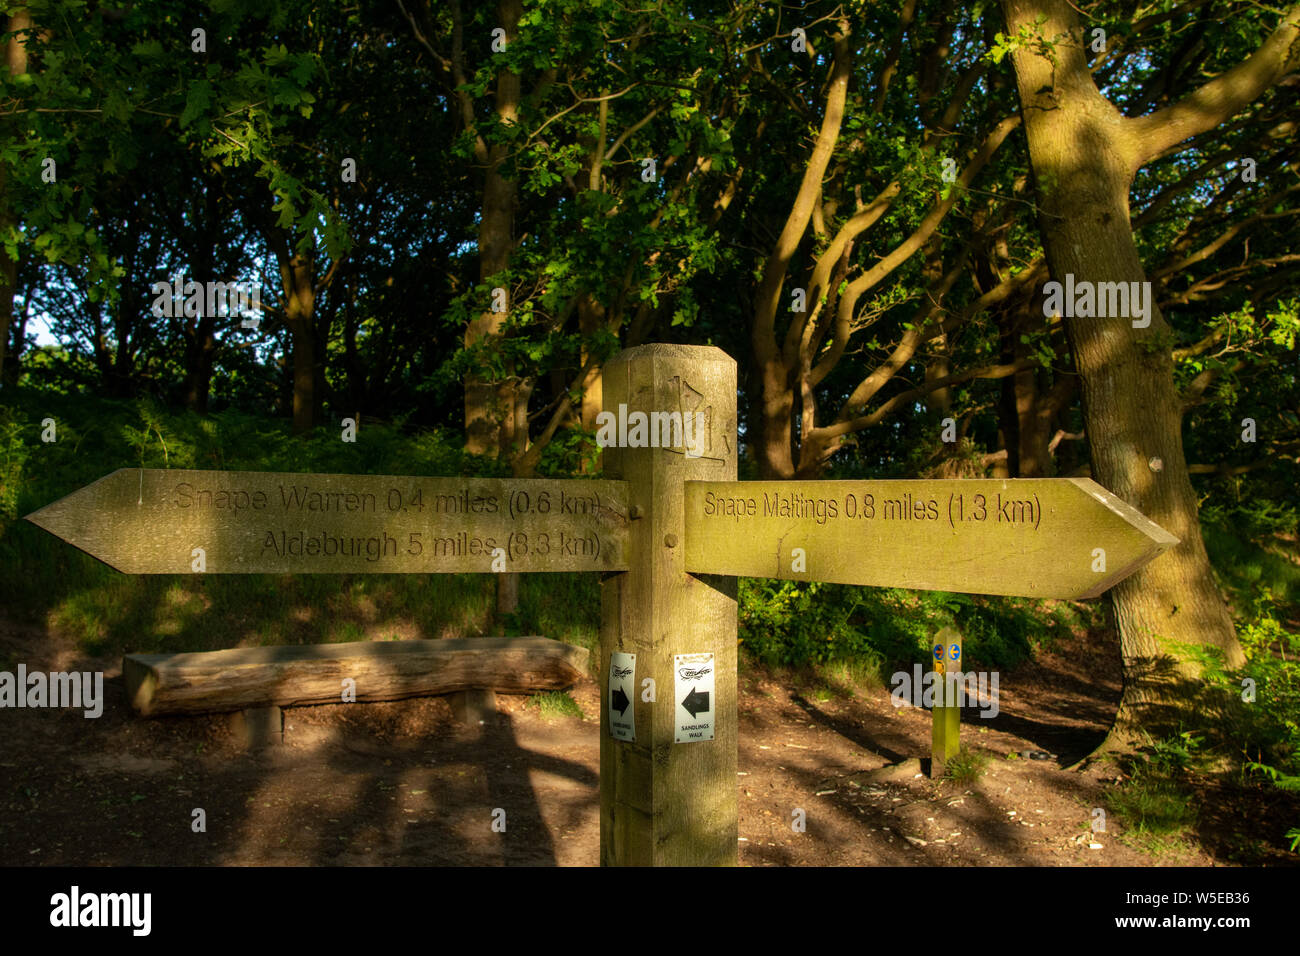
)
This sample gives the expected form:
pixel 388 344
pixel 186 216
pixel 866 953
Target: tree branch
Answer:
pixel 1216 101
pixel 911 395
pixel 767 298
pixel 904 250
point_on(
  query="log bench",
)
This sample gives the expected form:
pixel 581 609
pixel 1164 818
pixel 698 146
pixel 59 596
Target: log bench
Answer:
pixel 257 681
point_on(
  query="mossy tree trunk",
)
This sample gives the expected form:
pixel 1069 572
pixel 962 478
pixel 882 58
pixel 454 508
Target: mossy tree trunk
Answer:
pixel 1084 154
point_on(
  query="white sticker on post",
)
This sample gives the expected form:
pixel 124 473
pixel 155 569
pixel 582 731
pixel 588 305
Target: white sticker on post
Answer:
pixel 693 697
pixel 622 684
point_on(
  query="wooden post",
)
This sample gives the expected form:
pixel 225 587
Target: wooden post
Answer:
pixel 257 727
pixel 665 803
pixel 946 651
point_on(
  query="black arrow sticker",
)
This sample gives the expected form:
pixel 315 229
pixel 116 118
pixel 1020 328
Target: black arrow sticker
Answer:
pixel 618 700
pixel 696 702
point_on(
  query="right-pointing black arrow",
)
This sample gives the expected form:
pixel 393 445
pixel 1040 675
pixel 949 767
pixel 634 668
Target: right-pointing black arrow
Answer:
pixel 618 700
pixel 696 702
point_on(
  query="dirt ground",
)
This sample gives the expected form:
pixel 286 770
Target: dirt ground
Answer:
pixel 403 784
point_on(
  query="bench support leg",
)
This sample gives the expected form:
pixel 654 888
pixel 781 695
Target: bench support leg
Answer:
pixel 258 726
pixel 473 707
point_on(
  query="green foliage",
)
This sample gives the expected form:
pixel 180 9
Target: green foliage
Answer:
pixel 788 623
pixel 785 622
pixel 966 766
pixel 111 612
pixel 565 607
pixel 1026 37
pixel 844 678
pixel 1263 585
pixel 141 439
pixel 1154 801
pixel 172 160
pixel 1256 518
pixel 14 452
pixel 1281 780
pixel 1263 733
pixel 1265 592
pixel 555 704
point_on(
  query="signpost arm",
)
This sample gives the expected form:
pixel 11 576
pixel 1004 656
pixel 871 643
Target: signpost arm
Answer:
pixel 664 803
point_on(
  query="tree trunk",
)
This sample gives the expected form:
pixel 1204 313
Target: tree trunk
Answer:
pixel 18 335
pixel 488 403
pixel 591 318
pixel 8 282
pixel 16 61
pixel 199 333
pixel 300 313
pixel 1083 166
pixel 1027 454
pixel 200 351
pixel 122 372
pixel 491 413
pixel 999 467
pixel 776 439
pixel 938 363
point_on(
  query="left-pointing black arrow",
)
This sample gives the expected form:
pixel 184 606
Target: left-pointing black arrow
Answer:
pixel 696 702
pixel 618 700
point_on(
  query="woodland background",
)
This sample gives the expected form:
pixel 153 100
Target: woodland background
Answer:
pixel 860 202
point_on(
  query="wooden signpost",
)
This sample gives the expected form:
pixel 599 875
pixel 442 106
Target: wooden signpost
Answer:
pixel 670 532
pixel 665 802
pixel 1034 537
pixel 148 521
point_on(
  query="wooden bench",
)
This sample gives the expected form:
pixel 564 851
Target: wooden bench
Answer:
pixel 251 678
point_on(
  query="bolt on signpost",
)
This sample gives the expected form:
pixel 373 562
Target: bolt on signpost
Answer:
pixel 670 532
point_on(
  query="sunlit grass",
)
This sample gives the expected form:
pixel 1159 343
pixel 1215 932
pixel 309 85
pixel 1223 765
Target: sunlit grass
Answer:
pixel 1154 805
pixel 966 766
pixel 553 705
